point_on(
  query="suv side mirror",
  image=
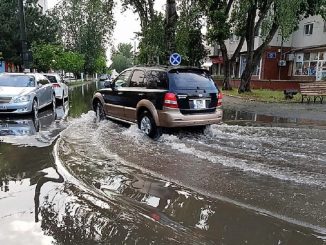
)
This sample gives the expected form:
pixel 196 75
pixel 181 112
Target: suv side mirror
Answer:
pixel 107 84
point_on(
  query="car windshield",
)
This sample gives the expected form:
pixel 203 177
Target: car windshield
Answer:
pixel 17 81
pixel 52 79
pixel 190 79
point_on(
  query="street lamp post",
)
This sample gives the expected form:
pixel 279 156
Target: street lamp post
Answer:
pixel 23 39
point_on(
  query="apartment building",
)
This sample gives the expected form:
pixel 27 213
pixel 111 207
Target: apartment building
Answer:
pixel 301 57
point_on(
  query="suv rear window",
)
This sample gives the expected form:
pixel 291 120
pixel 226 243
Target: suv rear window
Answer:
pixel 190 79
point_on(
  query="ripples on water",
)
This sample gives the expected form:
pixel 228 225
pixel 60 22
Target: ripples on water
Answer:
pixel 125 176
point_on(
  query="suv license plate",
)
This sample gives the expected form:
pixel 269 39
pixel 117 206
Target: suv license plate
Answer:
pixel 199 104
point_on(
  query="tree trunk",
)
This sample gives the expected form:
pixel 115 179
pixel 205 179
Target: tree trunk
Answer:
pixel 227 66
pixel 245 81
pixel 171 17
pixel 253 60
pixel 227 75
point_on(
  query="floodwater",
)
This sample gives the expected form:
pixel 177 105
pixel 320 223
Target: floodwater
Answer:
pixel 254 179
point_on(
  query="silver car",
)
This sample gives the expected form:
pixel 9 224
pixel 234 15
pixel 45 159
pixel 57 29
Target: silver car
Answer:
pixel 22 93
pixel 60 88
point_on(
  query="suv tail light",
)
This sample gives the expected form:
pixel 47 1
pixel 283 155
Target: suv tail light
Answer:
pixel 55 85
pixel 219 98
pixel 170 100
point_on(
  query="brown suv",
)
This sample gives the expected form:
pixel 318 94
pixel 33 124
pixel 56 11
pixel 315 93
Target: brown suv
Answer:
pixel 160 97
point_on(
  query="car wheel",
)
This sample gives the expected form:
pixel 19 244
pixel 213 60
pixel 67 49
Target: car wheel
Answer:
pixel 99 110
pixel 35 109
pixel 36 122
pixel 147 125
pixel 53 103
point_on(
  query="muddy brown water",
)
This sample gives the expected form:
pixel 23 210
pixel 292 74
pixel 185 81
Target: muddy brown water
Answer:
pixel 254 179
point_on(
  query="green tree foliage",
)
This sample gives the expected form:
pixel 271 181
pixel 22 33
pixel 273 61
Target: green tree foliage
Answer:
pixel 85 27
pixel 100 64
pixel 124 49
pixel 120 63
pixel 70 61
pixel 152 45
pixel 189 39
pixel 144 9
pixel 46 56
pixel 152 39
pixel 40 28
pixel 122 57
pixel 246 18
pixel 220 28
pixel 162 35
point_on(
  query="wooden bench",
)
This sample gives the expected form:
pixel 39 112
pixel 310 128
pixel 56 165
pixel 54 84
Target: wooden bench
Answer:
pixel 317 90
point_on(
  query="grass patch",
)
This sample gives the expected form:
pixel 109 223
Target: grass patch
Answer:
pixel 264 95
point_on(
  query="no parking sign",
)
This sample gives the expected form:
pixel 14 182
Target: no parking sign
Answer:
pixel 175 59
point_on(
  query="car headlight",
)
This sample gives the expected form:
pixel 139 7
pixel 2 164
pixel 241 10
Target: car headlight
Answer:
pixel 24 98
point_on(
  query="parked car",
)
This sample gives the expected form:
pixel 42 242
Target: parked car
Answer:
pixel 22 93
pixel 60 88
pixel 161 97
pixel 104 77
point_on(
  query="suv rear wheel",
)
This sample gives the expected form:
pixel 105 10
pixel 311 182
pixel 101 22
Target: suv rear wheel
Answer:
pixel 100 114
pixel 147 124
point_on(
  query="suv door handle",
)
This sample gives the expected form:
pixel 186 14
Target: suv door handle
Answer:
pixel 141 94
pixel 120 93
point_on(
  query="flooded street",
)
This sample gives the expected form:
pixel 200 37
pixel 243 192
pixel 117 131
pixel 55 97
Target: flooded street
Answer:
pixel 255 179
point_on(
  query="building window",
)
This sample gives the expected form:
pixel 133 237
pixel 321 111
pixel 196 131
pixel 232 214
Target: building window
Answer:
pixel 308 66
pixel 308 29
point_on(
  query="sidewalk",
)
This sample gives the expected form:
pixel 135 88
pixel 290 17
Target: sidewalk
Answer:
pixel 316 112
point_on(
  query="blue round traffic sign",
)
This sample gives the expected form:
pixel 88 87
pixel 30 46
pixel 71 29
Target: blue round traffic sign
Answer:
pixel 175 59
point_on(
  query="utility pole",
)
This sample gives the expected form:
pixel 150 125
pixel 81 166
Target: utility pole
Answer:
pixel 24 54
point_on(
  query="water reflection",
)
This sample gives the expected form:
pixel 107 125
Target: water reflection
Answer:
pixel 249 118
pixel 81 98
pixel 28 130
pixel 42 180
pixel 137 208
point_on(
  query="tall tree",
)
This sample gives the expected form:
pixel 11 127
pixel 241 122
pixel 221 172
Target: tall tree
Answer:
pixel 246 18
pixel 189 38
pixel 151 44
pixel 144 9
pixel 85 27
pixel 40 28
pixel 220 28
pixel 171 18
pixel 71 62
pixel 122 57
pixel 269 17
pixel 46 56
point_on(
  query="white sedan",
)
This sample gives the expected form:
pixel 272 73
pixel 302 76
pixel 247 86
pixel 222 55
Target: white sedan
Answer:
pixel 60 88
